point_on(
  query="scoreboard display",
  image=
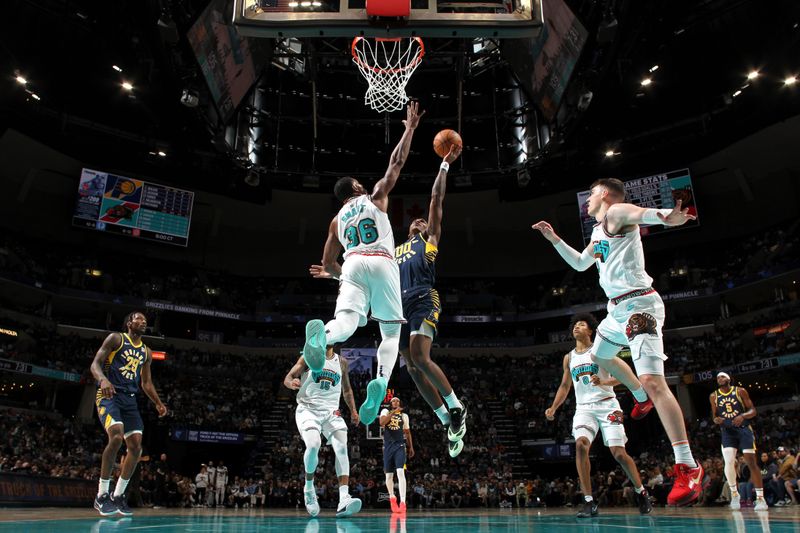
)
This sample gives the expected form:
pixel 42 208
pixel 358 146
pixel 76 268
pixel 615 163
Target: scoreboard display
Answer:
pixel 660 191
pixel 136 208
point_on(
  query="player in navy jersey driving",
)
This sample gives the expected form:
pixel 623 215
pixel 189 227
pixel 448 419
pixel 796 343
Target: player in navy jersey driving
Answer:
pixel 421 306
pixel 121 367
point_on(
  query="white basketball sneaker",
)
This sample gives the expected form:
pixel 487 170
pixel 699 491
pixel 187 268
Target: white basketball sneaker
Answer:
pixel 348 506
pixel 312 505
pixel 736 501
pixel 761 505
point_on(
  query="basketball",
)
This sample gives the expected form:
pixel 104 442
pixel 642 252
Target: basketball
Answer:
pixel 443 140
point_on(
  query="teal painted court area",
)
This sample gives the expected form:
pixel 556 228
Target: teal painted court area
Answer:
pixel 715 520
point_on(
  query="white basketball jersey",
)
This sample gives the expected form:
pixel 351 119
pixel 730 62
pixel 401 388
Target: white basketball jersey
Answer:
pixel 620 261
pixel 363 228
pixel 582 368
pixel 320 391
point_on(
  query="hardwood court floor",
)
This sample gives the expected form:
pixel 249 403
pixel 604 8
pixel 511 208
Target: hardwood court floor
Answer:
pixel 692 520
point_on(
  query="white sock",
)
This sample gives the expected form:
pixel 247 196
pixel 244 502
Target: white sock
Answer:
pixel 452 401
pixel 759 493
pixel 103 487
pixel 734 490
pixel 639 490
pixel 344 492
pixel 639 395
pixel 683 454
pixel 401 482
pixel 588 498
pixel 388 349
pixel 443 414
pixel 309 485
pixel 122 484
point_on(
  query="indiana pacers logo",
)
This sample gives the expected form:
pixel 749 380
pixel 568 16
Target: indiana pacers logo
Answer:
pixel 134 359
pixel 601 249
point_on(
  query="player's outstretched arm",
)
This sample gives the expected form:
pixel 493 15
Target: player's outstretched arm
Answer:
pixel 435 210
pixel 292 379
pixel 562 392
pixel 578 260
pixel 150 389
pixel 620 215
pixel 380 193
pixel 112 342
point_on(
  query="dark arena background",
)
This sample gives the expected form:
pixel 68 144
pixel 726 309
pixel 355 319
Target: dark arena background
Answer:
pixel 176 159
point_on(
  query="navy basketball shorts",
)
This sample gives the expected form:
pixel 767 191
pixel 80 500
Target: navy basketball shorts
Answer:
pixel 422 314
pixel 741 438
pixel 394 457
pixel 121 408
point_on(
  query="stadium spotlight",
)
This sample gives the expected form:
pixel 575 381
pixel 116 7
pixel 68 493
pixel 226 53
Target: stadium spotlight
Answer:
pixel 21 80
pixel 791 80
pixel 753 74
pixel 654 68
pixel 647 81
pixel 127 86
pixel 115 67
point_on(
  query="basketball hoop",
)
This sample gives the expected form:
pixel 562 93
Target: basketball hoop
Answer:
pixel 387 64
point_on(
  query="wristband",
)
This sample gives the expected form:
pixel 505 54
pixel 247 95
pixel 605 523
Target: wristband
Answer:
pixel 444 166
pixel 650 216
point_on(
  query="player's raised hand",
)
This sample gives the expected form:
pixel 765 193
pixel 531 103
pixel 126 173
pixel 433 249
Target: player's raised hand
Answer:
pixel 107 389
pixel 319 272
pixel 162 410
pixel 412 115
pixel 452 155
pixel 547 231
pixel 677 216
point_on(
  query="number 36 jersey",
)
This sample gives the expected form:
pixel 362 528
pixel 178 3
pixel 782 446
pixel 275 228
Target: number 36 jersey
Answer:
pixel 320 391
pixel 364 229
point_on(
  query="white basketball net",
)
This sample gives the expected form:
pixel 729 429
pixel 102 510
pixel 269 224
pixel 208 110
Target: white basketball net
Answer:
pixel 387 65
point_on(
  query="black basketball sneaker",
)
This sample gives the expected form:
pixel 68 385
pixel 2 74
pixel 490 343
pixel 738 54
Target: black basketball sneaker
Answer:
pixel 589 510
pixel 458 423
pixel 105 505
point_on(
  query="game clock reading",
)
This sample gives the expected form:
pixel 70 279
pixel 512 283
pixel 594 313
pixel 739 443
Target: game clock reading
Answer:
pixel 136 208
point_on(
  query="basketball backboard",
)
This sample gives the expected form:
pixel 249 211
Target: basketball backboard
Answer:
pixel 428 18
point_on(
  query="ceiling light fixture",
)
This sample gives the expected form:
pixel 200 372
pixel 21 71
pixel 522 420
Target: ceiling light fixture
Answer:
pixel 21 80
pixel 35 96
pixel 791 80
pixel 753 74
pixel 162 153
pixel 737 93
pixel 127 86
pixel 612 153
pixel 654 68
pixel 115 67
pixel 646 82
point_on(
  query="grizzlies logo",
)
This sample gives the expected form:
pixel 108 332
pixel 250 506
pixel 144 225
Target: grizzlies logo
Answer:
pixel 640 323
pixel 601 249
pixel 616 417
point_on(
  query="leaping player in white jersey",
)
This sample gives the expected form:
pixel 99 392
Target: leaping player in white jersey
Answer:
pixel 635 314
pixel 318 394
pixel 597 410
pixel 369 277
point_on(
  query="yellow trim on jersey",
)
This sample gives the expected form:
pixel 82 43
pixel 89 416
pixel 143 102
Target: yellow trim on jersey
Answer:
pixel 720 393
pixel 736 390
pixel 132 344
pixel 110 357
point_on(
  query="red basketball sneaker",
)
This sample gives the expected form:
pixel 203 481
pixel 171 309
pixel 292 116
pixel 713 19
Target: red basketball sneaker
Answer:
pixel 641 409
pixel 688 485
pixel 393 504
pixel 402 508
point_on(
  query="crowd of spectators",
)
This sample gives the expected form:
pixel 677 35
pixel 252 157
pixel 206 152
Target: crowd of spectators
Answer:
pixel 717 266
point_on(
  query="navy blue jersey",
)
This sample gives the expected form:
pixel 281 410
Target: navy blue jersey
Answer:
pixel 416 258
pixel 393 430
pixel 730 405
pixel 123 366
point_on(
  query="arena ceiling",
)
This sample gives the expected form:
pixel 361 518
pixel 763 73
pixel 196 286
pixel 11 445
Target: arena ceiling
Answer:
pixel 699 98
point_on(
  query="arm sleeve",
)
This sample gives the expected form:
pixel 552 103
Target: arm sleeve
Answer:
pixel 384 412
pixel 650 216
pixel 578 261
